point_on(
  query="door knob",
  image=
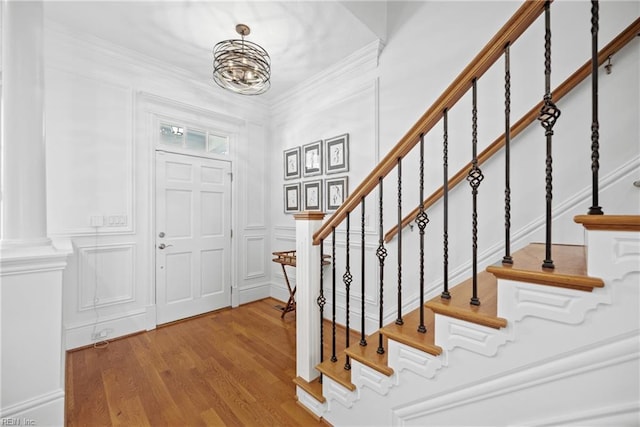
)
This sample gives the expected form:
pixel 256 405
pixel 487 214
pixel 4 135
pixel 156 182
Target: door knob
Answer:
pixel 161 234
pixel 162 246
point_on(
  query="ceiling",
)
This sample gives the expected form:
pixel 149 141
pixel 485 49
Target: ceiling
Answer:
pixel 302 37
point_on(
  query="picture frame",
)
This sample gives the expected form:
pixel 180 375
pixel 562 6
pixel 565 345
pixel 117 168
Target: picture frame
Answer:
pixel 337 191
pixel 312 195
pixel 312 158
pixel 337 154
pixel 292 163
pixel 292 198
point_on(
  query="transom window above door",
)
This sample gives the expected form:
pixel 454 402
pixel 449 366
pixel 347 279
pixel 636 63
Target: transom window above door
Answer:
pixel 179 136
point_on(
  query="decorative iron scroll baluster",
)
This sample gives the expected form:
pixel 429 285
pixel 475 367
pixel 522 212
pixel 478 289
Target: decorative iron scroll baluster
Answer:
pixel 321 302
pixel 548 116
pixel 381 253
pixel 363 338
pixel 507 259
pixel 347 278
pixel 475 177
pixel 422 219
pixel 399 320
pixel 333 295
pixel 595 126
pixel 445 203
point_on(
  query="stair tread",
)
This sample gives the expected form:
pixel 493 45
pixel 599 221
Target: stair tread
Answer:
pixel 335 371
pixel 458 305
pixel 314 388
pixel 408 332
pixel 570 267
pixel 368 355
pixel 609 222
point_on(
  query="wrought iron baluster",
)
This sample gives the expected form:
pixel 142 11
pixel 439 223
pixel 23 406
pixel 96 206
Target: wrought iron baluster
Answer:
pixel 595 126
pixel 507 259
pixel 333 295
pixel 422 219
pixel 445 203
pixel 321 302
pixel 381 253
pixel 347 278
pixel 363 338
pixel 548 116
pixel 399 320
pixel 475 177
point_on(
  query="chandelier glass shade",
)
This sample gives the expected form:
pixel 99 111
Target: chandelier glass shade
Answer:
pixel 241 66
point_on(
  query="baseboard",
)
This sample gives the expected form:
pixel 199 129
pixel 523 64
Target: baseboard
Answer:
pixel 79 335
pixel 44 410
pixel 279 292
pixel 254 293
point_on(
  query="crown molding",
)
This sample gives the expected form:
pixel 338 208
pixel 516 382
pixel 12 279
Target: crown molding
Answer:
pixel 121 58
pixel 358 63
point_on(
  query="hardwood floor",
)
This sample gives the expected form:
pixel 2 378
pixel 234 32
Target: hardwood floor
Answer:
pixel 232 367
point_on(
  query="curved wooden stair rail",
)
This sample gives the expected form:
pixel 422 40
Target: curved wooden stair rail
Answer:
pixel 567 86
pixel 509 33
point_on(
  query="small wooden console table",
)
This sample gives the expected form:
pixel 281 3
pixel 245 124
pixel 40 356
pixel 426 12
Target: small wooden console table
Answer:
pixel 285 258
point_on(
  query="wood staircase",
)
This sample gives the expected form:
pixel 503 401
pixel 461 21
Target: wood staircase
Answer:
pixel 571 272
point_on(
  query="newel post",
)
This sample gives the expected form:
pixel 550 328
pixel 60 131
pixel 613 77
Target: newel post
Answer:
pixel 308 289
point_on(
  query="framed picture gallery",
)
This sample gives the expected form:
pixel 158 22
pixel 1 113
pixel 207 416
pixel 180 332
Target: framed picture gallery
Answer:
pixel 312 195
pixel 316 162
pixel 312 159
pixel 292 163
pixel 337 154
pixel 337 190
pixel 292 198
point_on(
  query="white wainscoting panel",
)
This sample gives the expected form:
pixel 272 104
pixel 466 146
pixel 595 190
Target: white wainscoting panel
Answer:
pixel 105 275
pixel 254 249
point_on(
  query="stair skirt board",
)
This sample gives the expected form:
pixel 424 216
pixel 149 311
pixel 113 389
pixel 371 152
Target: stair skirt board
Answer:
pixel 591 376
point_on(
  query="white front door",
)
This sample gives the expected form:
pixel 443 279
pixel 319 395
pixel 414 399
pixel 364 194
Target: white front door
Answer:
pixel 193 235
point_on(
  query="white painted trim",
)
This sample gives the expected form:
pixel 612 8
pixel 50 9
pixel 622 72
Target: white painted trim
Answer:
pixel 254 292
pixel 37 405
pixel 630 411
pixel 451 333
pixel 112 55
pixel 335 392
pixel 403 357
pixel 363 376
pixel 600 356
pixel 362 60
pixel 98 249
pixel 149 109
pixel 118 325
pixel 17 261
pixel 317 408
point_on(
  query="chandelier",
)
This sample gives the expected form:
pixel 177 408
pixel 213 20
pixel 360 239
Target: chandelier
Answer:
pixel 241 66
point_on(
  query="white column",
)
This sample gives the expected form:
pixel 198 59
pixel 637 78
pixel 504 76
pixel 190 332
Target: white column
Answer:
pixel 24 220
pixel 31 351
pixel 308 289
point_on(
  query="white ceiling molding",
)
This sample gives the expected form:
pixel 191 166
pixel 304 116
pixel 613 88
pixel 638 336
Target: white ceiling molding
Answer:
pixel 351 69
pixel 82 46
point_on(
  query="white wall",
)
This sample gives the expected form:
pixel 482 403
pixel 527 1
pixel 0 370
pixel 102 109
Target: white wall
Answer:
pixel 99 162
pixel 341 100
pixel 428 44
pixel 101 102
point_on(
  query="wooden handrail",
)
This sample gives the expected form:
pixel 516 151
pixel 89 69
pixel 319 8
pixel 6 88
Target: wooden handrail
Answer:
pixel 509 33
pixel 565 87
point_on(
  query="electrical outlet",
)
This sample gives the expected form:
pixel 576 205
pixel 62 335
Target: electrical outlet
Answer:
pixel 100 335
